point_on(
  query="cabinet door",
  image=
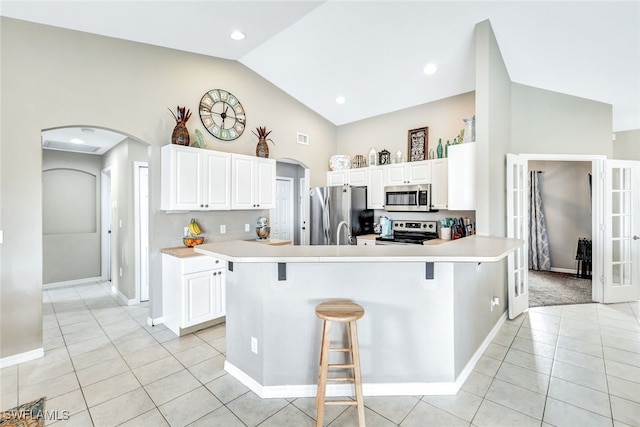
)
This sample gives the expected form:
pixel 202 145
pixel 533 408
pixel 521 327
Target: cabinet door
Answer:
pixel 396 174
pixel 217 189
pixel 366 242
pixel 375 188
pixel 181 178
pixel 336 178
pixel 198 298
pixel 265 184
pixel 439 187
pixel 357 176
pixel 242 179
pixel 462 172
pixel 418 172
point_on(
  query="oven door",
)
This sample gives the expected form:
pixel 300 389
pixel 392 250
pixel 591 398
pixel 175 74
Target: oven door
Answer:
pixel 408 198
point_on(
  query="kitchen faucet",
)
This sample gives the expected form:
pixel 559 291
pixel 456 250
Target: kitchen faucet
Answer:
pixel 338 232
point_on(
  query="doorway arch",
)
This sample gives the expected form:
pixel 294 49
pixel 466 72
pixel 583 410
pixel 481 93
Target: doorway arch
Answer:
pixel 117 155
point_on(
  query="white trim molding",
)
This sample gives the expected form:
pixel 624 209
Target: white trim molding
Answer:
pixel 21 358
pixel 115 291
pixel 71 282
pixel 155 322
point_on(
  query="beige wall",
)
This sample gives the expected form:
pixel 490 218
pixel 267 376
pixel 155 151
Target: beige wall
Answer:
pixel 443 117
pixel 124 86
pixel 627 145
pixel 546 122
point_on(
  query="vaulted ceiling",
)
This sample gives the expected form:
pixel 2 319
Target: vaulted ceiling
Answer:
pixel 373 53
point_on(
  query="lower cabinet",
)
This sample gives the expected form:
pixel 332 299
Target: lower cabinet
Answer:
pixel 193 291
pixel 367 240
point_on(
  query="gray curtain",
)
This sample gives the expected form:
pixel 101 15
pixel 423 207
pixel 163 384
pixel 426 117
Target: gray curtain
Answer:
pixel 538 239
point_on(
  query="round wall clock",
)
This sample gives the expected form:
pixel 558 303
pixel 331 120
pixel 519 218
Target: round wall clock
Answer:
pixel 222 114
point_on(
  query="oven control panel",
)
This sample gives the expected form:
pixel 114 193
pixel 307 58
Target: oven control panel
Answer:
pixel 418 226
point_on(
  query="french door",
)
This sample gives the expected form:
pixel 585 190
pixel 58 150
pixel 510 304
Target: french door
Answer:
pixel 517 222
pixel 621 229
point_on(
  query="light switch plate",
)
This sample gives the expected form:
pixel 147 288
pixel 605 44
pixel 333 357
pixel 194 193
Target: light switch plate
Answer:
pixel 1 236
pixel 247 227
pixel 223 229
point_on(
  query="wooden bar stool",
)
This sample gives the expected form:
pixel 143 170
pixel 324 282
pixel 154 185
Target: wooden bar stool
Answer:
pixel 339 311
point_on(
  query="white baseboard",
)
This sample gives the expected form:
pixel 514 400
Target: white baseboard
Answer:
pixel 156 321
pixel 71 282
pixel 479 352
pixel 563 270
pixel 122 297
pixel 368 389
pixel 21 358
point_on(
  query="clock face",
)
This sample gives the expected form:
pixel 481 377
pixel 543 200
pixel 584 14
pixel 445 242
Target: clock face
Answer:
pixel 222 114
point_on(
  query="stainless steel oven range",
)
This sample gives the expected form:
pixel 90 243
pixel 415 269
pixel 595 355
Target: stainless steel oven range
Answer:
pixel 410 233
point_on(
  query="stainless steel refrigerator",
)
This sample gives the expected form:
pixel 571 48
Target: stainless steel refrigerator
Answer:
pixel 331 205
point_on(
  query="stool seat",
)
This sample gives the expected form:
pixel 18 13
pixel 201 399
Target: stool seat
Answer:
pixel 339 311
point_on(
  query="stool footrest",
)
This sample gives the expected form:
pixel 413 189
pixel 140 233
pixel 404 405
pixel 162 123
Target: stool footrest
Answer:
pixel 340 379
pixel 341 365
pixel 344 350
pixel 340 402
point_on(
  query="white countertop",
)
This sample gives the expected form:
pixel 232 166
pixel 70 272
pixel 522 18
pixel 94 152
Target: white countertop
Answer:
pixel 469 249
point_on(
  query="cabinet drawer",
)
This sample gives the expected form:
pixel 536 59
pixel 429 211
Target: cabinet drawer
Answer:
pixel 200 263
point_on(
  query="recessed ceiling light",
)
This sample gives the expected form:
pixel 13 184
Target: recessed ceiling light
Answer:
pixel 340 100
pixel 430 69
pixel 238 35
pixel 76 141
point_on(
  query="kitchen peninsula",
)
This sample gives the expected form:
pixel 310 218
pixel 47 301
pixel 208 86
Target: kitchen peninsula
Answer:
pixel 428 313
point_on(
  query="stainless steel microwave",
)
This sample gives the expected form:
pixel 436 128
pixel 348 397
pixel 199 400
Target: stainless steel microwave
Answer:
pixel 408 198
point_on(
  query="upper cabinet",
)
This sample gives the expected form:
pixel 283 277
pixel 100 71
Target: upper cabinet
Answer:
pixel 462 177
pixel 194 179
pixel 375 187
pixel 409 173
pixel 253 182
pixel 439 183
pixel 356 177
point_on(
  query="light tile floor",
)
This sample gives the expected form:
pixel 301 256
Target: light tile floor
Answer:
pixel 554 366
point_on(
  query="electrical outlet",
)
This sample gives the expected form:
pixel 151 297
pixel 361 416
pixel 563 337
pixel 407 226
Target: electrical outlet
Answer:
pixel 120 271
pixel 495 301
pixel 247 227
pixel 186 231
pixel 1 236
pixel 254 345
pixel 120 223
pixel 223 229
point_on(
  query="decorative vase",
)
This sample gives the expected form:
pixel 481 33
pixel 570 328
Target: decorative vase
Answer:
pixel 469 129
pixel 446 149
pixel 373 157
pixel 439 148
pixel 262 149
pixel 180 135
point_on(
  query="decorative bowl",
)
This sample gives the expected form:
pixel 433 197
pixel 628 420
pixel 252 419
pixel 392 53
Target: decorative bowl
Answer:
pixel 192 241
pixel 340 162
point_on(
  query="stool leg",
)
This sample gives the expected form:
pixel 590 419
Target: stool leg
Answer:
pixel 355 353
pixel 323 372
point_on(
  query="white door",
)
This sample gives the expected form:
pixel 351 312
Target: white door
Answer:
pixel 143 218
pixel 218 174
pixel 621 280
pixel 518 269
pixel 265 193
pixel 188 179
pixel 106 223
pixel 242 180
pixel 282 215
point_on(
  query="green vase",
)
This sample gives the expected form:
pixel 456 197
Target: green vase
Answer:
pixel 439 148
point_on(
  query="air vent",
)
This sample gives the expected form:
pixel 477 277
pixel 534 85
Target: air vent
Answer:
pixel 303 138
pixel 65 146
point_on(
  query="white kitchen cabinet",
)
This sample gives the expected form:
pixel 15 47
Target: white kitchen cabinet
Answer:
pixel 462 177
pixel 356 177
pixel 336 178
pixel 439 183
pixel 193 291
pixel 253 182
pixel 375 187
pixel 194 179
pixel 409 173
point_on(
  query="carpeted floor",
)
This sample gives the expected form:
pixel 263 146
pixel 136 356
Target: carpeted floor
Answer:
pixel 551 288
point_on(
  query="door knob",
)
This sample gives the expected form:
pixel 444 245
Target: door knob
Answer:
pixel 636 238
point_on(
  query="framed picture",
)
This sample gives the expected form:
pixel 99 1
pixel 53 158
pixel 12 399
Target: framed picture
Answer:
pixel 418 144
